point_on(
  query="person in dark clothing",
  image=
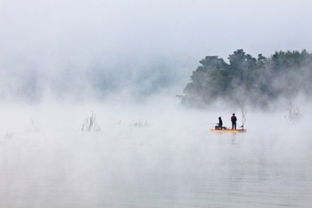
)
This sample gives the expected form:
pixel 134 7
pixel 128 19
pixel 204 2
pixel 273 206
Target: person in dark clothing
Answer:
pixel 233 119
pixel 220 124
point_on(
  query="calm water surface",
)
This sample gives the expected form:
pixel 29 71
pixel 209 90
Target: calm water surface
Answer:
pixel 136 169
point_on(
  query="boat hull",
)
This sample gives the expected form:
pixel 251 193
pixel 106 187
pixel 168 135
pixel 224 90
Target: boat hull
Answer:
pixel 228 130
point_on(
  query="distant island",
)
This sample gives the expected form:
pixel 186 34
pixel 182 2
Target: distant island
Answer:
pixel 248 80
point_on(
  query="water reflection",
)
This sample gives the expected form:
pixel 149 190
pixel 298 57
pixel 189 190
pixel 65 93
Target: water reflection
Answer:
pixel 211 171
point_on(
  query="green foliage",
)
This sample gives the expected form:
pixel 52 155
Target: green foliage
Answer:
pixel 245 79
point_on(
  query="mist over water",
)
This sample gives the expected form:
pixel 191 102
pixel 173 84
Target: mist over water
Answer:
pixel 152 154
pixel 121 64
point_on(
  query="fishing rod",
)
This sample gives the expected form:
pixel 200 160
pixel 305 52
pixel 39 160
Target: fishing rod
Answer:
pixel 243 117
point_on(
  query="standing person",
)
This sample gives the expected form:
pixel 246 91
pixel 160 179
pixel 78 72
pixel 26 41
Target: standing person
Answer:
pixel 233 119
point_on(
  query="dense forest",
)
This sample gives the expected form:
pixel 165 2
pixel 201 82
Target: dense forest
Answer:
pixel 245 79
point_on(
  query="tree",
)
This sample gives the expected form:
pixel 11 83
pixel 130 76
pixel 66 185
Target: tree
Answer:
pixel 246 79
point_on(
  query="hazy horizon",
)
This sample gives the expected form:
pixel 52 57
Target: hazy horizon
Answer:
pixel 73 47
pixel 89 113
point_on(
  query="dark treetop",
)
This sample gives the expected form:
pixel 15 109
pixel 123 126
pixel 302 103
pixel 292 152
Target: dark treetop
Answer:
pixel 250 80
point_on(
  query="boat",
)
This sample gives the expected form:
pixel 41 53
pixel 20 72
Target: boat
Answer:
pixel 242 130
pixel 230 130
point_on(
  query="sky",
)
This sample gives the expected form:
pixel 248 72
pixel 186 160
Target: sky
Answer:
pixel 80 47
pixel 130 41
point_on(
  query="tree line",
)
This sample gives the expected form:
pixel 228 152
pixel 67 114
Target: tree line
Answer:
pixel 245 79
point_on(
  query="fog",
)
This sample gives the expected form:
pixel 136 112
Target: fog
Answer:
pixel 121 64
pixel 73 48
pixel 153 154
